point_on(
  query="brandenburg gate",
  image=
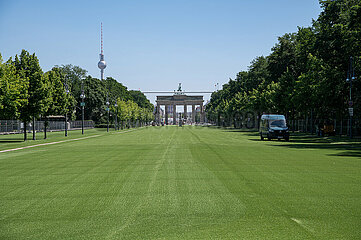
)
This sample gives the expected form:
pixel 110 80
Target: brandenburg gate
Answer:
pixel 179 98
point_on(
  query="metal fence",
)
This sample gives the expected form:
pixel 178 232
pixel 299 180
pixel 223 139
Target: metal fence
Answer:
pixel 341 127
pixel 250 121
pixel 16 126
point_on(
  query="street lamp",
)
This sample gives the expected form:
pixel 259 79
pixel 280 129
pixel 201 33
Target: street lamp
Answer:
pixel 66 110
pixel 116 115
pixel 350 78
pixel 82 104
pixel 107 103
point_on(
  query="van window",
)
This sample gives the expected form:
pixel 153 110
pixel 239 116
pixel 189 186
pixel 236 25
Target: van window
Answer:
pixel 278 123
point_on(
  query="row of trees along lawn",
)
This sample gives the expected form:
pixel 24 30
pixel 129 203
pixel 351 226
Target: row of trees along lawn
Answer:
pixel 27 94
pixel 305 73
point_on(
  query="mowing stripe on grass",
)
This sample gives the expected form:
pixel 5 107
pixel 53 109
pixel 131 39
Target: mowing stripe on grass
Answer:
pixel 51 143
pixel 43 144
pixel 299 222
pixel 132 130
pixel 181 183
pixel 149 192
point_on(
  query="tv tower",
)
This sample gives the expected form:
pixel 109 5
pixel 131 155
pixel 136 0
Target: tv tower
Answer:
pixel 101 64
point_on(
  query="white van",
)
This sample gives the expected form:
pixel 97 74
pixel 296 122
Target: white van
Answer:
pixel 274 127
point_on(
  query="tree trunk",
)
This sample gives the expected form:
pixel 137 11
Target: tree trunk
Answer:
pixel 66 124
pixel 34 138
pixel 311 121
pixel 45 125
pixel 25 134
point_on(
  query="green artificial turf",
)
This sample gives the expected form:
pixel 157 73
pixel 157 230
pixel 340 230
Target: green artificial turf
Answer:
pixel 180 183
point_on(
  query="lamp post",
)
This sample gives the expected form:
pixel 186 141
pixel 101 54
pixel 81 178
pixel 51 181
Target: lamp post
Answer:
pixel 66 111
pixel 82 104
pixel 350 78
pixel 116 115
pixel 107 103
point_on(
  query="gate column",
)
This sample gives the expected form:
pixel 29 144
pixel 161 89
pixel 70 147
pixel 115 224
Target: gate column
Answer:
pixel 202 113
pixel 174 114
pixel 166 114
pixel 193 113
pixel 157 119
pixel 185 112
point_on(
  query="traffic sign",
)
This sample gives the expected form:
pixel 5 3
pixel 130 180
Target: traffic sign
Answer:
pixel 350 111
pixel 82 104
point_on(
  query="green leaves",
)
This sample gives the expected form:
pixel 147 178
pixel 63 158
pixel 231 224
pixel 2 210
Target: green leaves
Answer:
pixel 60 102
pixel 129 111
pixel 97 93
pixel 38 95
pixel 13 91
pixel 305 71
pixel 26 92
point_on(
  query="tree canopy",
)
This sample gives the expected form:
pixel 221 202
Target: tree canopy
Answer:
pixel 26 93
pixel 305 72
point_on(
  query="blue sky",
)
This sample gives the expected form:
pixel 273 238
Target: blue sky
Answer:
pixel 152 45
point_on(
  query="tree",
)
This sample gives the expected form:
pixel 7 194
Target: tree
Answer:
pixel 338 32
pixel 116 89
pixel 95 101
pixel 139 98
pixel 27 67
pixel 61 102
pixel 74 74
pixel 13 91
pixel 305 72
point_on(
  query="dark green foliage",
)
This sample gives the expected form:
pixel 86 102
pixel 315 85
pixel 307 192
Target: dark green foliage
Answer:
pixel 38 93
pixel 98 92
pixel 61 102
pixel 116 89
pixel 305 72
pixel 95 100
pixel 73 73
pixel 26 93
pixel 139 98
pixel 27 66
pixel 13 91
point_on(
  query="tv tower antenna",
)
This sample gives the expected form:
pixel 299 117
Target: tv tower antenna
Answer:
pixel 101 64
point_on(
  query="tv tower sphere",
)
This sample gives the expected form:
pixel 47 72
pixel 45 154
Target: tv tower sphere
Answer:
pixel 102 64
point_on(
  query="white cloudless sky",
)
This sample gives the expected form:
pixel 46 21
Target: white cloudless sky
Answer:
pixel 152 44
